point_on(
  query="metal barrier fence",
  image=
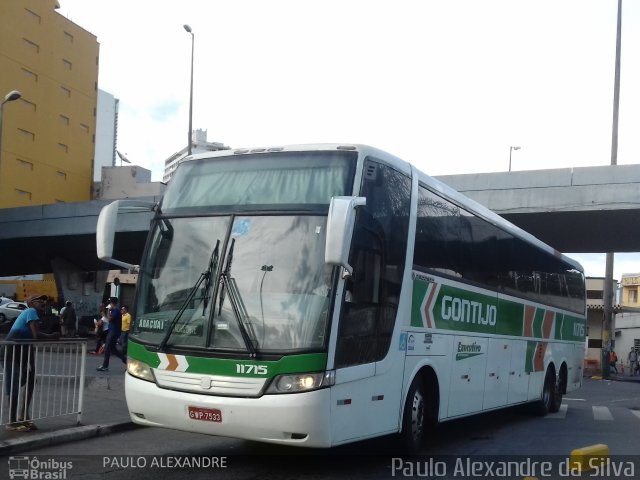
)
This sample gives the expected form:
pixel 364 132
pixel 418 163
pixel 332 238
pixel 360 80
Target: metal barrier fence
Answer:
pixel 43 379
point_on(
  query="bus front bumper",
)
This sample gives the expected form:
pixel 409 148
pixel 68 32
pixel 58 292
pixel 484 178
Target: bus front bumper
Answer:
pixel 293 419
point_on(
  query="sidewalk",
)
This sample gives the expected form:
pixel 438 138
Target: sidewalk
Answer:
pixel 104 412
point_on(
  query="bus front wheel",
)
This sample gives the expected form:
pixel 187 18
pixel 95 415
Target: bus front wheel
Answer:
pixel 413 419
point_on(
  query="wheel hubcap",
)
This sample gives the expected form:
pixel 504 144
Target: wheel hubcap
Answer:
pixel 417 416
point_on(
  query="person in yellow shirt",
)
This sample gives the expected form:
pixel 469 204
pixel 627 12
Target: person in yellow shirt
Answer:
pixel 126 326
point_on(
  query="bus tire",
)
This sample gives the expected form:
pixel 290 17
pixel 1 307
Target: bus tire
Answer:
pixel 413 419
pixel 556 400
pixel 546 403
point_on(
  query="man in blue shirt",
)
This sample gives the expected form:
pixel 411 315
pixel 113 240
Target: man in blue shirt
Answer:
pixel 115 328
pixel 19 361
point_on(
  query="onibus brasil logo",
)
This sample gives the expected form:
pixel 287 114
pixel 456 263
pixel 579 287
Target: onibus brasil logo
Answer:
pixel 37 469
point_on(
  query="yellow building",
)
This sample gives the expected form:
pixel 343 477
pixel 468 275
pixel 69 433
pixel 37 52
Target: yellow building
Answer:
pixel 48 135
pixel 630 285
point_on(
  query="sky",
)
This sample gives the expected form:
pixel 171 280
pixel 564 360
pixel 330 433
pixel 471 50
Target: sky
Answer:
pixel 448 85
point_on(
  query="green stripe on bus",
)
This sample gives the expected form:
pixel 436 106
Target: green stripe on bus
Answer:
pixel 419 292
pixel 309 362
pixel 531 351
pixel 537 322
pixel 457 309
pixel 510 318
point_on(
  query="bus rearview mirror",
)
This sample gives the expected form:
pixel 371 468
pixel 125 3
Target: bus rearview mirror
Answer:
pixel 106 228
pixel 340 222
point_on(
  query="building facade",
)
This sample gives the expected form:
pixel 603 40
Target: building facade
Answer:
pixel 48 135
pixel 127 181
pixel 199 145
pixel 627 331
pixel 106 133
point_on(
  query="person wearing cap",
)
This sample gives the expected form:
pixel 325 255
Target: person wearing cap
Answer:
pixel 21 357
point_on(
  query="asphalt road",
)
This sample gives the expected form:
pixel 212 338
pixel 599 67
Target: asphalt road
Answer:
pixel 606 412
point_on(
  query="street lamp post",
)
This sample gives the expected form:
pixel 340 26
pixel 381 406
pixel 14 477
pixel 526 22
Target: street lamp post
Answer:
pixel 511 149
pixel 188 29
pixel 9 97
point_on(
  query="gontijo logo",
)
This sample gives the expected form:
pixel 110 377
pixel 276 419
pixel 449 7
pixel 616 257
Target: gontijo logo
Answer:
pixel 463 310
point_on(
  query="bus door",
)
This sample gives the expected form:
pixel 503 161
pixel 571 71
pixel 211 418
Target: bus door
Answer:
pixel 367 391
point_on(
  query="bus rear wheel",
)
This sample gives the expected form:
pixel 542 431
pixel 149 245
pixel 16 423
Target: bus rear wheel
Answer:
pixel 413 419
pixel 551 396
pixel 557 392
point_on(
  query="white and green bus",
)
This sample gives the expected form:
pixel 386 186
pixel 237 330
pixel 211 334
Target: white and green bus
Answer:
pixel 317 295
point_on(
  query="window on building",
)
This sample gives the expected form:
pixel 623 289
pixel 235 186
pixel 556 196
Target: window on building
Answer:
pixel 29 105
pixel 84 127
pixel 61 175
pixel 595 294
pixel 68 37
pixel 30 75
pixel 595 343
pixel 25 164
pixel 27 134
pixel 33 16
pixel 24 194
pixel 67 64
pixel 65 91
pixel 64 119
pixel 32 46
pixel 633 295
pixel 63 147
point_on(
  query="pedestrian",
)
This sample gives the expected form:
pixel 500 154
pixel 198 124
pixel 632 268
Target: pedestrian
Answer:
pixel 19 362
pixel 126 326
pixel 68 320
pixel 115 328
pixel 633 360
pixel 613 359
pixel 102 330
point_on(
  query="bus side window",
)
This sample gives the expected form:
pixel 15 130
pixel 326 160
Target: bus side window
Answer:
pixel 378 255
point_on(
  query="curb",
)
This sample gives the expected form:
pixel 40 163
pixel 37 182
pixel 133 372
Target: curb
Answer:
pixel 613 378
pixel 17 445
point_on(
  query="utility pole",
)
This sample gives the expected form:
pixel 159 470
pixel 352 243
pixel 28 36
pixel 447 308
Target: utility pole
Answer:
pixel 607 323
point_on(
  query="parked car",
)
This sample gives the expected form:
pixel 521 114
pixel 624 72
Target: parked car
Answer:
pixel 4 300
pixel 9 312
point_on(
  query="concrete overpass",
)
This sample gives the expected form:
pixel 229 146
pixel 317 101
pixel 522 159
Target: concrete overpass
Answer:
pixel 581 210
pixel 590 209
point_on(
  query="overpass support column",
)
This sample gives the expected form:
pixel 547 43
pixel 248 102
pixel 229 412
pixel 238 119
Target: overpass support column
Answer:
pixel 607 321
pixel 84 289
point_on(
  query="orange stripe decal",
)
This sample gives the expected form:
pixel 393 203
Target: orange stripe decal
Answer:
pixel 427 306
pixel 529 313
pixel 547 323
pixel 538 357
pixel 173 362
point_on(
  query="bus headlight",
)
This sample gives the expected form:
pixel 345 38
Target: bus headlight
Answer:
pixel 139 369
pixel 301 382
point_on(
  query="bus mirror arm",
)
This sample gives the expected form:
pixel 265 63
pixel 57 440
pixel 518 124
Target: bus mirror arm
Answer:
pixel 106 228
pixel 340 222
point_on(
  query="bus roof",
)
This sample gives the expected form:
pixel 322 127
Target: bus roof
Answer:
pixel 407 168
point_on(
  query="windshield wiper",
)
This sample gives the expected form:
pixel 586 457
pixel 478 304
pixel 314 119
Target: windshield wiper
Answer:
pixel 237 305
pixel 206 275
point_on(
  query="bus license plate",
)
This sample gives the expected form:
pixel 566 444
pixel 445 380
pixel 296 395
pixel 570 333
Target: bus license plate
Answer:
pixel 205 414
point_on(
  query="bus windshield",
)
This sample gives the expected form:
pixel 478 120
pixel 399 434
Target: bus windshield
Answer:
pixel 271 282
pixel 282 181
